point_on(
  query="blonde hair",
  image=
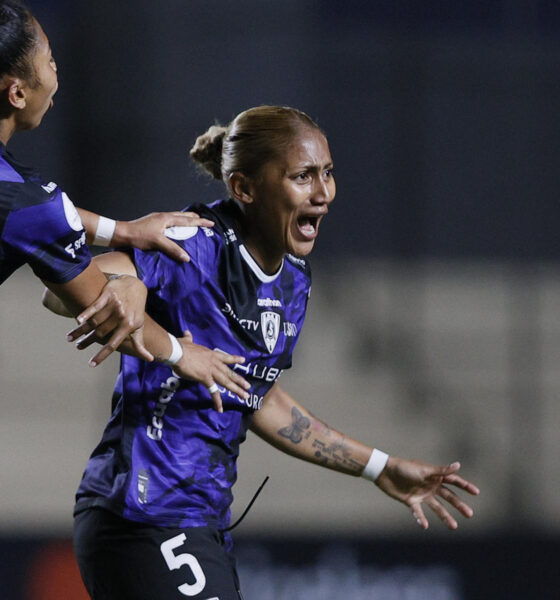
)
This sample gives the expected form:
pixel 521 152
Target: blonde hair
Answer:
pixel 253 138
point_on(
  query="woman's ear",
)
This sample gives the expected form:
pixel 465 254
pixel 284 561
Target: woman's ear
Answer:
pixel 240 187
pixel 15 92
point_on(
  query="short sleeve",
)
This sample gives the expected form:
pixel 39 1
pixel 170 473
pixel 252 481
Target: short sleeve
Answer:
pixel 172 279
pixel 50 237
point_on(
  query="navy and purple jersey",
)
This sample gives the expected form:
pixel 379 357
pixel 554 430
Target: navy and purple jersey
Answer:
pixel 167 457
pixel 39 225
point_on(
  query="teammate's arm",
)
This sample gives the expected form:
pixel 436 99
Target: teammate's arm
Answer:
pixel 122 314
pixel 291 428
pixel 117 306
pixel 145 233
pixel 197 362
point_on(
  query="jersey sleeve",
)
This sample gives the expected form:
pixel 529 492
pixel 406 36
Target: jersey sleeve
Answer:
pixel 169 281
pixel 50 237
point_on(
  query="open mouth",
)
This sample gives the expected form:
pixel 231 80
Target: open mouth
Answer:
pixel 308 226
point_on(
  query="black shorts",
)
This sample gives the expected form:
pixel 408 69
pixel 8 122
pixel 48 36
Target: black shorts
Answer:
pixel 125 560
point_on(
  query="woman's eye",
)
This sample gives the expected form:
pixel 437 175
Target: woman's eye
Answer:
pixel 303 176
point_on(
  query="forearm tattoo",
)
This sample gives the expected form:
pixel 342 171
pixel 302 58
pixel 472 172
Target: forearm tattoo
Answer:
pixel 298 427
pixel 329 447
pixel 336 455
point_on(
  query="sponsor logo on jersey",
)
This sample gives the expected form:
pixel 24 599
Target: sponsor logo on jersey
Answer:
pixel 270 330
pixel 49 187
pixel 73 247
pixel 254 401
pixel 257 371
pixel 268 302
pixel 168 389
pixel 289 329
pixel 270 325
pixel 248 324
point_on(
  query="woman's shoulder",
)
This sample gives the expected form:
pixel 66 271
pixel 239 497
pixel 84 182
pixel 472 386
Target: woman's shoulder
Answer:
pixel 299 264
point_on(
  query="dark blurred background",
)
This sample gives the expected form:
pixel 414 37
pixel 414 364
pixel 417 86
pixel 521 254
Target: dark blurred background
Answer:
pixel 437 273
pixel 441 115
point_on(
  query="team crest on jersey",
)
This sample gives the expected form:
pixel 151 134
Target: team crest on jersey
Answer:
pixel 270 325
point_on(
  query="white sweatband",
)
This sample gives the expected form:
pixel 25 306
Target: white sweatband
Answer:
pixel 105 231
pixel 176 351
pixel 375 465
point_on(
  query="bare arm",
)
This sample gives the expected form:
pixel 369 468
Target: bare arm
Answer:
pixel 197 363
pixel 291 428
pixel 123 308
pixel 148 232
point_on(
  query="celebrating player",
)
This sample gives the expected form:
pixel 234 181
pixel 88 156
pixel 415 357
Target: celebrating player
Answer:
pixel 153 508
pixel 40 226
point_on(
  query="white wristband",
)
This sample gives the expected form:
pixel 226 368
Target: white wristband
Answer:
pixel 375 465
pixel 105 231
pixel 176 351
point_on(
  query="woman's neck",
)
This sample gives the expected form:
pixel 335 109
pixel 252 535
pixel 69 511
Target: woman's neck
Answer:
pixel 7 129
pixel 259 245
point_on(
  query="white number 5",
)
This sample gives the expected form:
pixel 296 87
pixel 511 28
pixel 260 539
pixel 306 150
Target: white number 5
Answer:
pixel 176 561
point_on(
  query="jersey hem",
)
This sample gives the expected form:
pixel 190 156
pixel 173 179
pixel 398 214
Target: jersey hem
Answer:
pixel 67 276
pixel 131 515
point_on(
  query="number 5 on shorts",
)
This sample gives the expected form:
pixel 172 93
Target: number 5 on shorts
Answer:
pixel 176 561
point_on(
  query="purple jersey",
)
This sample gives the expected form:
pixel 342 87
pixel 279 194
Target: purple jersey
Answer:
pixel 167 457
pixel 39 225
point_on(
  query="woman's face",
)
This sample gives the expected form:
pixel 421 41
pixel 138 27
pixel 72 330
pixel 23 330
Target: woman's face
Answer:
pixel 290 196
pixel 40 90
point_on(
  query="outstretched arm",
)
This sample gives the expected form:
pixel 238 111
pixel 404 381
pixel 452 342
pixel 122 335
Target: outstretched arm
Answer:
pixel 291 428
pixel 145 233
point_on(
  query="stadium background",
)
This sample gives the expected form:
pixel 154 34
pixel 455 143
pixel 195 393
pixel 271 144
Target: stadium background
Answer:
pixel 434 329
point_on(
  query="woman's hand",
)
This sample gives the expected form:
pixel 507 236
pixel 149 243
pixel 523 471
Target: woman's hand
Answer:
pixel 415 483
pixel 148 233
pixel 211 368
pixel 119 312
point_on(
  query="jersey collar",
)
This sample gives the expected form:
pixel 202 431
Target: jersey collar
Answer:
pixel 264 277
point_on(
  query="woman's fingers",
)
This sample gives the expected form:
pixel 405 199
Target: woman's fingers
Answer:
pixel 214 390
pixel 456 502
pixel 78 331
pixel 229 374
pixel 459 482
pixel 440 510
pixel 418 514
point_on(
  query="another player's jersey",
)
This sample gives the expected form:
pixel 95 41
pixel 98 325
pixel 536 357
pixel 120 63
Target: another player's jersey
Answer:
pixel 39 225
pixel 167 457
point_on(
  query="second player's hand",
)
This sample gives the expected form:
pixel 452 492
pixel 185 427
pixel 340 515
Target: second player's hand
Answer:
pixel 416 483
pixel 210 367
pixel 118 312
pixel 148 233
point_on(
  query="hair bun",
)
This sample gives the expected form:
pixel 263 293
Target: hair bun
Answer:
pixel 207 150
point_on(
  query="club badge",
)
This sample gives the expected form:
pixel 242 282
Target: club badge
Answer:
pixel 270 324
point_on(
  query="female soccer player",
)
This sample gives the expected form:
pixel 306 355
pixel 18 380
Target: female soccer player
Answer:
pixel 153 507
pixel 40 226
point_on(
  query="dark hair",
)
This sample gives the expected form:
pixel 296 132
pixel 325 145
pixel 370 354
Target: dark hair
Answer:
pixel 253 138
pixel 17 39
